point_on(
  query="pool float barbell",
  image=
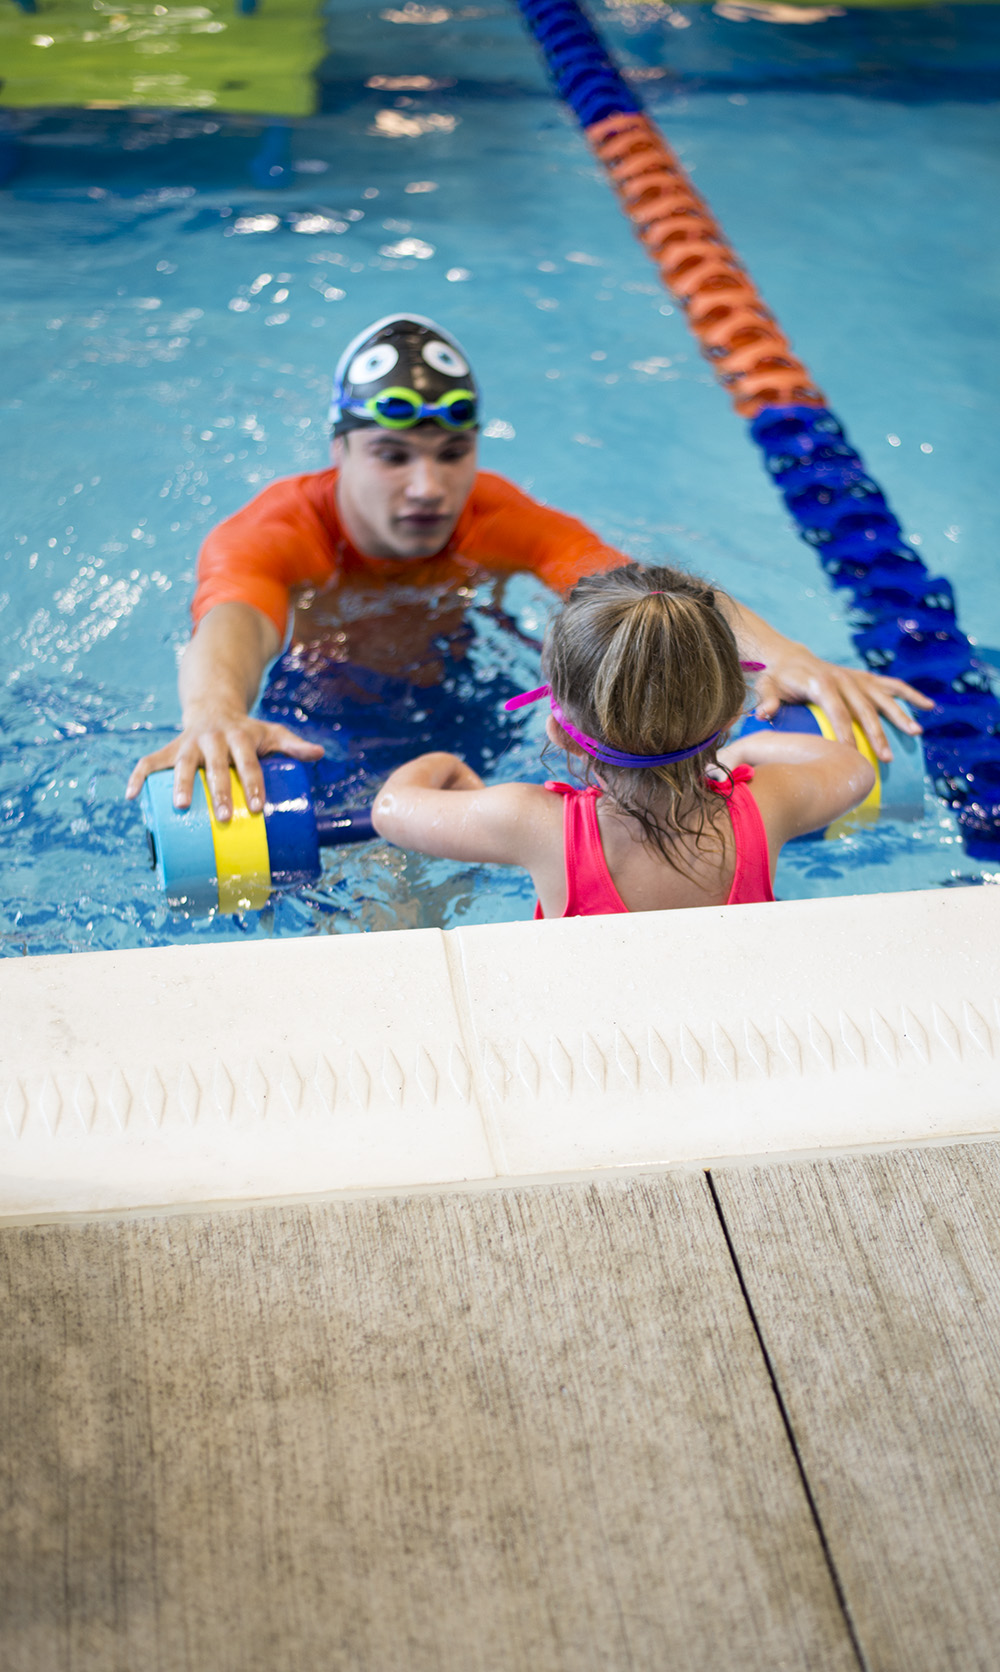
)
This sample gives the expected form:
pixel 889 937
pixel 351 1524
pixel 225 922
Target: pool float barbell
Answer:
pixel 202 864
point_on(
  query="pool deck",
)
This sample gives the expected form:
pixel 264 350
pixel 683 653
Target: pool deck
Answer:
pixel 644 1322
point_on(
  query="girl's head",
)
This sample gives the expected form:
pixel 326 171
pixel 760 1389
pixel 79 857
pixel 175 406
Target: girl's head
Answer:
pixel 644 661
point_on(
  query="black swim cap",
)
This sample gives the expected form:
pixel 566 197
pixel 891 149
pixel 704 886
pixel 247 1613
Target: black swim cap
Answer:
pixel 403 351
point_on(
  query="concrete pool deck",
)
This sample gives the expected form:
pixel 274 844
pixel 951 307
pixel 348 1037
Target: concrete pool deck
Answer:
pixel 697 1402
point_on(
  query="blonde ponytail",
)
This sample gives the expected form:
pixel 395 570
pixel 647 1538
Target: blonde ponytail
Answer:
pixel 645 660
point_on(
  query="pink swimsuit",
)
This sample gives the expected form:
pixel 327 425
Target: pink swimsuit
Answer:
pixel 589 889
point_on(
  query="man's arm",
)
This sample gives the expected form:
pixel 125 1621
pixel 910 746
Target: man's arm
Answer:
pixel 247 568
pixel 793 674
pixel 219 677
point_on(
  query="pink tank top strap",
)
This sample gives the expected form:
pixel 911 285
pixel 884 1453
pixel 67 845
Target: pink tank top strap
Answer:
pixel 590 891
pixel 752 875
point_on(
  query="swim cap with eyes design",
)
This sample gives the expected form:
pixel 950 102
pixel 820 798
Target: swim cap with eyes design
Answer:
pixel 402 371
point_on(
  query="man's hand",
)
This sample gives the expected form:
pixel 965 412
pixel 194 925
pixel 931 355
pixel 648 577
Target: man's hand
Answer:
pixel 212 741
pixel 794 674
pixel 219 676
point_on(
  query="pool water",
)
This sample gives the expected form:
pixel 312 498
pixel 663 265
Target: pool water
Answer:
pixel 169 325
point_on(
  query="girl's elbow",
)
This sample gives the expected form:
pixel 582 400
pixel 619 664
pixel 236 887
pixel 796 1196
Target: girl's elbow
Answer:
pixel 861 782
pixel 867 779
pixel 383 815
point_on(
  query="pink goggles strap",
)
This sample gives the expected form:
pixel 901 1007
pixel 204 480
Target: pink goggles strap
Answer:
pixel 527 697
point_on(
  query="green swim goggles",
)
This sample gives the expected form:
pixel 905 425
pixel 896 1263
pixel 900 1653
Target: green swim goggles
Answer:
pixel 401 409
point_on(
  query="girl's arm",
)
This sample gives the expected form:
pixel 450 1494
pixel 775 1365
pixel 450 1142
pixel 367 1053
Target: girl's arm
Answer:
pixel 438 805
pixel 801 782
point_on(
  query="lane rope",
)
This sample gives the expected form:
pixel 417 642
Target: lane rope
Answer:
pixel 904 619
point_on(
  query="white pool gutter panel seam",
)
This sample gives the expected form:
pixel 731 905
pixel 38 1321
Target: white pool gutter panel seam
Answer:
pixel 239 1072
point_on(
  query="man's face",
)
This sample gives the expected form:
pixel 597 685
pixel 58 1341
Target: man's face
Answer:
pixel 401 492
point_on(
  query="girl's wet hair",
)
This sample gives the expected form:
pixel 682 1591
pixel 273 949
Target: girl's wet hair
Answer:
pixel 645 660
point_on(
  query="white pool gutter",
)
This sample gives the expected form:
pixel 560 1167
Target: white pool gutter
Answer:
pixel 239 1071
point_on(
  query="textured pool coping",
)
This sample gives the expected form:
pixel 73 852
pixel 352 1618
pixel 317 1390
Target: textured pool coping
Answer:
pixel 234 1072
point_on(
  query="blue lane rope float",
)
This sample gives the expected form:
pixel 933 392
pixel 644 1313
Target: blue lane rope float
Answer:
pixel 904 618
pixel 578 61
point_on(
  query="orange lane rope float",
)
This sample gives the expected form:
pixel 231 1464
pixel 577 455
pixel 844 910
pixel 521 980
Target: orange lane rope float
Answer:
pixel 749 352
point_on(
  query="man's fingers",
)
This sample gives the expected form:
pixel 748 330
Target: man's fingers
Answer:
pixel 284 742
pixel 140 772
pixel 241 741
pixel 216 751
pixel 244 745
pixel 898 716
pixel 866 714
pixel 158 761
pixel 846 695
pixel 184 771
pixel 829 698
pixel 899 688
pixel 768 699
pixel 248 766
pixel 851 703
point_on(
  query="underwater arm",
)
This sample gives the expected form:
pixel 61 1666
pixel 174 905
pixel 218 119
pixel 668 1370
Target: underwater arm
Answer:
pixel 219 676
pixel 793 674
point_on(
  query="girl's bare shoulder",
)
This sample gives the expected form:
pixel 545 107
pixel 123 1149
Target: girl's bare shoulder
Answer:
pixel 527 802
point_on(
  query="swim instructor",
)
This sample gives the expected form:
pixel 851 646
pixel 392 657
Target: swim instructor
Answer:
pixel 380 555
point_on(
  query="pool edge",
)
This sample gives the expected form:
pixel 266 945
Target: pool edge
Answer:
pixel 179 1076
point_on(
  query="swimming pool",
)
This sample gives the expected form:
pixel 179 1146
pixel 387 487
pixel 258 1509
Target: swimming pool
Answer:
pixel 159 378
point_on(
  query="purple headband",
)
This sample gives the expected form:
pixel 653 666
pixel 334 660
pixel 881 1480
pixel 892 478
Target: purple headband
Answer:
pixel 603 751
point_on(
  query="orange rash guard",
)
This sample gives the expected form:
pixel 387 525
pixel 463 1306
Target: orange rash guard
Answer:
pixel 290 536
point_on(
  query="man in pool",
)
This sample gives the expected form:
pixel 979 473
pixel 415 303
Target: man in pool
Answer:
pixel 381 555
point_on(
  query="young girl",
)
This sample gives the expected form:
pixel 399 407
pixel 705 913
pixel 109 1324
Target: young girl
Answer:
pixel 644 684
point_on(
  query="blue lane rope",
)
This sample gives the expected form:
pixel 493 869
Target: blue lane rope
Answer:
pixel 578 61
pixel 904 618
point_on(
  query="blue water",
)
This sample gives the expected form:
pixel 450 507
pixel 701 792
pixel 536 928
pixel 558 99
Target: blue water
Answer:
pixel 154 381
